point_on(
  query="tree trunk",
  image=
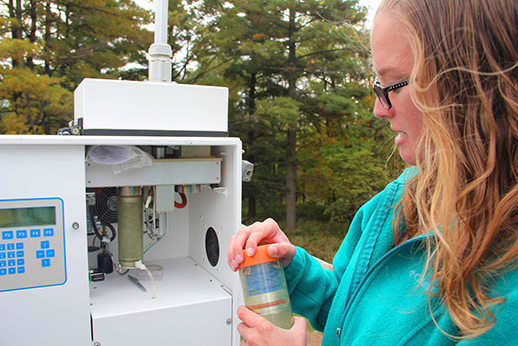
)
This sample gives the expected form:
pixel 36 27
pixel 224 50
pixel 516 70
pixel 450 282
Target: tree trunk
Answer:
pixel 252 206
pixel 291 148
pixel 15 11
pixel 291 180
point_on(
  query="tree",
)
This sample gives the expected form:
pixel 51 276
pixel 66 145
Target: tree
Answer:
pixel 50 46
pixel 297 50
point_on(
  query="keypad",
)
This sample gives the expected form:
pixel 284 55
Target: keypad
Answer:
pixel 12 254
pixel 32 255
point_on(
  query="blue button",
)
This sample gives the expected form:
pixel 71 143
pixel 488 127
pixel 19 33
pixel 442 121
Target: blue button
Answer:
pixel 2 255
pixel 45 244
pixel 7 235
pixel 50 253
pixel 2 264
pixel 12 271
pixel 35 233
pixel 10 254
pixel 21 234
pixel 48 232
pixel 21 270
pixel 19 246
pixel 40 254
pixel 10 246
pixel 45 262
pixel 2 247
pixel 3 271
pixel 20 262
pixel 19 254
pixel 11 263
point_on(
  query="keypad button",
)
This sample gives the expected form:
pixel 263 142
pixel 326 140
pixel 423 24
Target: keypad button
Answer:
pixel 7 235
pixel 19 254
pixel 45 262
pixel 3 271
pixel 45 244
pixel 11 263
pixel 3 263
pixel 40 254
pixel 48 232
pixel 35 233
pixel 19 246
pixel 10 246
pixel 21 270
pixel 20 262
pixel 10 254
pixel 12 271
pixel 21 234
pixel 2 255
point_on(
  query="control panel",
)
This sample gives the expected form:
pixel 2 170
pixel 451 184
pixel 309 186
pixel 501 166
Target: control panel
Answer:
pixel 32 243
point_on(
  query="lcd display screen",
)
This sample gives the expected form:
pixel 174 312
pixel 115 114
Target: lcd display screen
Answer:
pixel 27 217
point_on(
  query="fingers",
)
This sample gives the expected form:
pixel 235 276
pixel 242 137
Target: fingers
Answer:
pixel 256 330
pixel 260 233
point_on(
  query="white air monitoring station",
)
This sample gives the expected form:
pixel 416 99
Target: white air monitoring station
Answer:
pixel 115 232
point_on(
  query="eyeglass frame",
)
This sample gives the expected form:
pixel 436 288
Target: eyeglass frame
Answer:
pixel 382 92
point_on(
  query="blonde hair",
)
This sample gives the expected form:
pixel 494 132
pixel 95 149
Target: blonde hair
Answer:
pixel 465 79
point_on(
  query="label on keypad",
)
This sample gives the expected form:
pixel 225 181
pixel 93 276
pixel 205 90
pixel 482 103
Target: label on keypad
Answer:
pixel 32 243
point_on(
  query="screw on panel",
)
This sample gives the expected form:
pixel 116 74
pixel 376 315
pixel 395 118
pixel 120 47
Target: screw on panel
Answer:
pixel 229 321
pixel 97 343
pixel 75 225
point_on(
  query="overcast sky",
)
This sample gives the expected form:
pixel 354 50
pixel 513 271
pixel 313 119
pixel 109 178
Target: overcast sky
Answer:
pixel 372 4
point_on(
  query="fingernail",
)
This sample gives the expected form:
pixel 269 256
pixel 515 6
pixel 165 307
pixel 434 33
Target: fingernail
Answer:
pixel 239 259
pixel 250 251
pixel 233 264
pixel 273 250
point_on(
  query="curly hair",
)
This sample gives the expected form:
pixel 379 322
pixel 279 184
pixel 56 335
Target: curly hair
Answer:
pixel 465 78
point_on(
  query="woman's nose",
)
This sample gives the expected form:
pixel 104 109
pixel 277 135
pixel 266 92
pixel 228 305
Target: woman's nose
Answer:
pixel 380 111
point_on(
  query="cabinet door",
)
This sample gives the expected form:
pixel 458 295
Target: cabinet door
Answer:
pixel 53 308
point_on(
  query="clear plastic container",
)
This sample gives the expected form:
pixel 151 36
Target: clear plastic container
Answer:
pixel 264 288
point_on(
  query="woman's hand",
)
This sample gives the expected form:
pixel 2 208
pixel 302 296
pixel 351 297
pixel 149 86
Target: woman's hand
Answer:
pixel 260 233
pixel 258 331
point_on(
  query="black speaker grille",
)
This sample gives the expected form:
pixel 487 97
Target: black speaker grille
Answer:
pixel 212 246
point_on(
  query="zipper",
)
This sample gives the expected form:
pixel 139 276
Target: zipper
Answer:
pixel 367 274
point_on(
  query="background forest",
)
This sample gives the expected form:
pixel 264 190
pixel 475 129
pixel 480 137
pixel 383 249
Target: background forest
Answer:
pixel 299 77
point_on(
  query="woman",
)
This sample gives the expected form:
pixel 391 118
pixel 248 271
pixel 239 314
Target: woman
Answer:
pixel 431 260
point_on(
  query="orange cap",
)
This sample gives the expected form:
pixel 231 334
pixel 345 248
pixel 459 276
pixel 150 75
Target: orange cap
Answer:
pixel 261 256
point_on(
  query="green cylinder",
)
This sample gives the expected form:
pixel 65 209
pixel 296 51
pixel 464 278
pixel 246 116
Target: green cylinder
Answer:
pixel 131 221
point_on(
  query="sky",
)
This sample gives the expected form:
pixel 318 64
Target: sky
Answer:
pixel 372 4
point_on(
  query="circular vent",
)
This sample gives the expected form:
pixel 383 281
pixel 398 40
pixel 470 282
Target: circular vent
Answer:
pixel 212 246
pixel 106 204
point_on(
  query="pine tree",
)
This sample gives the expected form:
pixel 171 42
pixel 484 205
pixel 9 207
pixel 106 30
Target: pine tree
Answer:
pixel 296 71
pixel 48 47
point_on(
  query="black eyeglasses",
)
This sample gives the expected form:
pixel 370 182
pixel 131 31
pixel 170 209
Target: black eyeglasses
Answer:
pixel 382 92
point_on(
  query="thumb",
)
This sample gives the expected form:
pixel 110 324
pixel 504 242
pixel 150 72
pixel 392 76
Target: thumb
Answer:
pixel 299 324
pixel 282 251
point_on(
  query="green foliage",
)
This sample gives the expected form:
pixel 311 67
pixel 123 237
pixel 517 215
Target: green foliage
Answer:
pixel 47 48
pixel 298 74
pixel 283 110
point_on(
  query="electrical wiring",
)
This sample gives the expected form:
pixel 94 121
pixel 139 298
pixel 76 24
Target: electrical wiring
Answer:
pixel 183 203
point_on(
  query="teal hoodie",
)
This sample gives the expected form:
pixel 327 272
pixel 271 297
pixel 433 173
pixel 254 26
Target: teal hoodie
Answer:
pixel 377 295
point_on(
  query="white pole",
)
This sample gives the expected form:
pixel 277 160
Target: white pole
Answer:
pixel 160 52
pixel 161 14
